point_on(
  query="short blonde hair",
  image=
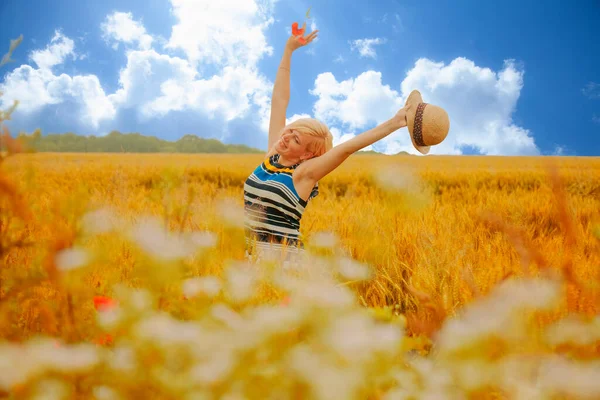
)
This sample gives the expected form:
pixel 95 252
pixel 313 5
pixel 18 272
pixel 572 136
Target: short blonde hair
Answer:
pixel 317 129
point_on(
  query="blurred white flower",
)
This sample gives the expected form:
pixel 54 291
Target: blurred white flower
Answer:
pixel 575 331
pixel 571 378
pixel 231 212
pixel 324 295
pixel 51 389
pixel 109 319
pixel 141 300
pixel 167 330
pixel 215 369
pixel 105 393
pixel 353 270
pixel 325 379
pixel 202 239
pixel 72 258
pixel 66 358
pixel 356 338
pixel 230 318
pixel 151 235
pixel 267 320
pixel 209 286
pixel 122 359
pixel 398 178
pixel 499 314
pixel 99 221
pixel 241 282
pixel 324 239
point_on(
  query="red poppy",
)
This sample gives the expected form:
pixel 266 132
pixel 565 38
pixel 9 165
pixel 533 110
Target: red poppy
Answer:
pixel 297 31
pixel 102 303
pixel 102 340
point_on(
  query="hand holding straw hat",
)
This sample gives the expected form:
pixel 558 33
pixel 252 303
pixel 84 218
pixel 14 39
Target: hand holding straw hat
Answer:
pixel 428 124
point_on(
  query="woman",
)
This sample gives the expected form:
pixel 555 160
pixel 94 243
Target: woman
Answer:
pixel 300 154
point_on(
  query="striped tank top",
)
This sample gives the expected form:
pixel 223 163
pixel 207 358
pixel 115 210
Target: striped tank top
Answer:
pixel 273 209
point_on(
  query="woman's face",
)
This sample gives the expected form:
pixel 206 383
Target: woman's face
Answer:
pixel 293 145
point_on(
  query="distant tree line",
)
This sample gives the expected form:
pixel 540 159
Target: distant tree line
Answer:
pixel 117 142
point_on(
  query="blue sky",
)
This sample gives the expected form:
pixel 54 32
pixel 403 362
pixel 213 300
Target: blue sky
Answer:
pixel 516 78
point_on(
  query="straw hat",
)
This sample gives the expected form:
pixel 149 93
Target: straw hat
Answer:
pixel 428 124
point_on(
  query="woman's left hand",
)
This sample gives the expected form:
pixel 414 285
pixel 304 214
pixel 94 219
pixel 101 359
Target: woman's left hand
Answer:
pixel 400 117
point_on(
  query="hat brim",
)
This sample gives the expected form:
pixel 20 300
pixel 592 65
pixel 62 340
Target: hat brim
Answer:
pixel 414 98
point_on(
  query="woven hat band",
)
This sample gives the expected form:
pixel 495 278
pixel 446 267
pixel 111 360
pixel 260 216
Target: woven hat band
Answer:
pixel 418 125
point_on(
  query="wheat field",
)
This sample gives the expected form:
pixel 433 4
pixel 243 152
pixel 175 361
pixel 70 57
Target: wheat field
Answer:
pixel 441 248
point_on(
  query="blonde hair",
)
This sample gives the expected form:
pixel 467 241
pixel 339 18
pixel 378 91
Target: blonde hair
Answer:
pixel 317 129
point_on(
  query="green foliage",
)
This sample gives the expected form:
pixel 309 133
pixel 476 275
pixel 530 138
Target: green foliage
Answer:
pixel 117 142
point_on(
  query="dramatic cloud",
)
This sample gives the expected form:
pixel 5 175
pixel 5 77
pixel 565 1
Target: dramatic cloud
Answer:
pixel 354 102
pixel 153 84
pixel 36 88
pixel 156 84
pixel 208 72
pixel 228 32
pixel 55 53
pixel 365 46
pixel 479 101
pixel 592 90
pixel 120 27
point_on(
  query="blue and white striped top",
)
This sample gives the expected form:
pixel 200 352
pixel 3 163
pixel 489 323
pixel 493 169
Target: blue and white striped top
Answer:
pixel 273 208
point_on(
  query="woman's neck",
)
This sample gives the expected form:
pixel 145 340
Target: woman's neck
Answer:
pixel 285 162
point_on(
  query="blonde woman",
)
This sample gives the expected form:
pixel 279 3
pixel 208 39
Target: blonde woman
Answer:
pixel 299 155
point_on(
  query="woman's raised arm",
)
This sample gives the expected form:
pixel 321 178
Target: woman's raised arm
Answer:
pixel 316 168
pixel 280 97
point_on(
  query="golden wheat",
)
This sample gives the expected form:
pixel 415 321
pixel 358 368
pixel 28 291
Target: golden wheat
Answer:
pixel 444 239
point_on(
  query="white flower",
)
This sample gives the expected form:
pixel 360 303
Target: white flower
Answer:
pixel 141 300
pixel 577 379
pixel 215 369
pixel 325 379
pixel 202 239
pixel 110 319
pixel 404 178
pixel 324 239
pixel 167 330
pixel 209 286
pixel 72 258
pixel 223 313
pixel 499 314
pixel 105 393
pixel 353 270
pixel 122 359
pixel 241 282
pixel 51 389
pixel 574 330
pixel 98 221
pixel 157 241
pixel 231 212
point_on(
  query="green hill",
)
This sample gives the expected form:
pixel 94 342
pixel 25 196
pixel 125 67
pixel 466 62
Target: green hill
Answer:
pixel 117 142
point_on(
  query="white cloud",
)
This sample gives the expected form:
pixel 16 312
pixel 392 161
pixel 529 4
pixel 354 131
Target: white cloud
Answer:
pixel 120 27
pixel 354 102
pixel 296 117
pixel 55 53
pixel 479 101
pixel 155 84
pixel 37 88
pixel 228 32
pixel 365 46
pixel 592 90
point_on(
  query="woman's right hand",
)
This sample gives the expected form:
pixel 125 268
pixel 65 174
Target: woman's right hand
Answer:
pixel 295 42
